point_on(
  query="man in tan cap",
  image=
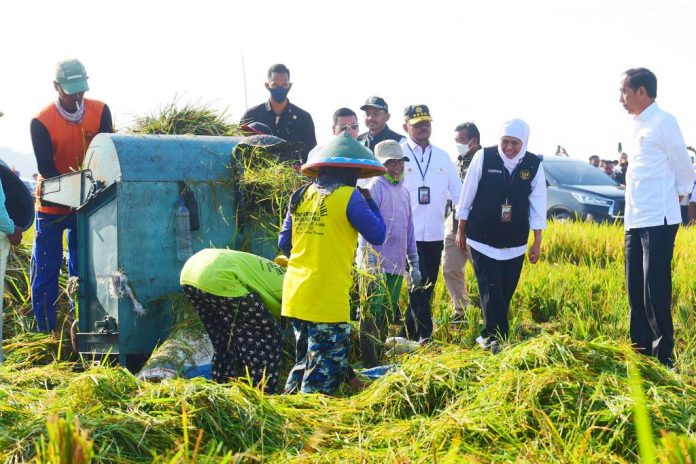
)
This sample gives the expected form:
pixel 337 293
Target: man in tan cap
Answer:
pixel 395 258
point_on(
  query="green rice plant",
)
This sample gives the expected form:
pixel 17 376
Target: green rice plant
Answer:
pixel 677 449
pixel 262 185
pixel 67 443
pixel 101 386
pixel 587 244
pixel 558 392
pixel 641 418
pixel 186 119
pixel 29 349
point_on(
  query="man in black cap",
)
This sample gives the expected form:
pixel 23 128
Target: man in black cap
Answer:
pixel 287 121
pixel 376 117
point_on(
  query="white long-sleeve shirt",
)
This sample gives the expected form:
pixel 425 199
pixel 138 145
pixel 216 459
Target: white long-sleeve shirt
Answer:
pixel 431 168
pixel 659 170
pixel 537 203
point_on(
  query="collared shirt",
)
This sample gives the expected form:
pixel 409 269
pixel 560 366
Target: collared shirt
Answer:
pixel 438 173
pixel 293 125
pixel 537 204
pixel 659 170
pixel 385 134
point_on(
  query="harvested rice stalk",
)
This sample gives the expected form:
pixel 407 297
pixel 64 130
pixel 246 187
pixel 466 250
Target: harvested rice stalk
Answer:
pixel 67 443
pixel 189 119
pixel 266 183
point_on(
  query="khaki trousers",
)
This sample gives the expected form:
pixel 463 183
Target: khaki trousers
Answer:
pixel 453 262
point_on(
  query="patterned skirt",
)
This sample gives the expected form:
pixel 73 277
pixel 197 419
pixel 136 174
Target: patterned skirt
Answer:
pixel 245 336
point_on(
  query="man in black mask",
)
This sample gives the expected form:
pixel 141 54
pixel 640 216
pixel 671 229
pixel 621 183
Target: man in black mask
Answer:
pixel 287 121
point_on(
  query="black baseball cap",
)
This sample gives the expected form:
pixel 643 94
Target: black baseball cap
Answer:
pixel 375 102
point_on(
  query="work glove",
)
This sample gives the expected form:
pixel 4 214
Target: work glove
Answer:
pixel 414 275
pixel 282 261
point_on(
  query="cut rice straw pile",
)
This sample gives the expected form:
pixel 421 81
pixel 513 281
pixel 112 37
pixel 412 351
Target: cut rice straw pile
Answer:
pixel 549 398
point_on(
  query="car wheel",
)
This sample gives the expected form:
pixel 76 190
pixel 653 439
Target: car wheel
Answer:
pixel 561 215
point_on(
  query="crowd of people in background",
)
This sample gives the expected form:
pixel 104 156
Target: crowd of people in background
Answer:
pixel 400 208
pixel 615 169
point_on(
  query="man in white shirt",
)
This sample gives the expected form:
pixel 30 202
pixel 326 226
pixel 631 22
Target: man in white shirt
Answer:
pixel 431 179
pixel 659 174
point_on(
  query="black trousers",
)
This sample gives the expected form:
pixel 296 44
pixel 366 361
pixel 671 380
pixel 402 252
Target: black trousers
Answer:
pixel 418 323
pixel 649 253
pixel 497 281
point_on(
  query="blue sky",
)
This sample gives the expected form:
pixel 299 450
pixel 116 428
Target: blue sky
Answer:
pixel 555 64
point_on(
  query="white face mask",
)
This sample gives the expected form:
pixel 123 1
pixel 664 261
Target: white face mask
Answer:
pixel 463 148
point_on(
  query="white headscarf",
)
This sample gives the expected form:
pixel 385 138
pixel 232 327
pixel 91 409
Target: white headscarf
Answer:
pixel 515 128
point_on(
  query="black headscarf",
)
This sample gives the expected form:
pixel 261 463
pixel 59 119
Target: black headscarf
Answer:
pixel 333 174
pixel 329 179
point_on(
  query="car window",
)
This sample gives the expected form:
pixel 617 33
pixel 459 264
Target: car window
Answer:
pixel 580 173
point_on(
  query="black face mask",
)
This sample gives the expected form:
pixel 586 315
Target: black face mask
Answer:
pixel 279 94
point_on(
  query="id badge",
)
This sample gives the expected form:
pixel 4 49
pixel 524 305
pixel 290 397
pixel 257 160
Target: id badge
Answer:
pixel 505 212
pixel 424 195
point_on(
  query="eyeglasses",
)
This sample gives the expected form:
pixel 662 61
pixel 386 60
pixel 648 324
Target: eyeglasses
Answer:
pixel 393 162
pixel 354 127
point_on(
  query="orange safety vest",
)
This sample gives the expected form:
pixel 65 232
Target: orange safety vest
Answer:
pixel 69 141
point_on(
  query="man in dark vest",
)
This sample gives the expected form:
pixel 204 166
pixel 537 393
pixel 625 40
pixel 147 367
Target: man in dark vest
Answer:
pixel 376 117
pixel 503 196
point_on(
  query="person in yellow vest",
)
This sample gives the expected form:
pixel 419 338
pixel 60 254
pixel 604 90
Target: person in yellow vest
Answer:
pixel 320 236
pixel 60 135
pixel 237 296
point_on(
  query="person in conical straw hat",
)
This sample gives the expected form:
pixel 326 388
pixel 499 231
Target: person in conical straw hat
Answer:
pixel 320 235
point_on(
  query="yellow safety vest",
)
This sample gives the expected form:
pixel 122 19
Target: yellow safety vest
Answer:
pixel 318 279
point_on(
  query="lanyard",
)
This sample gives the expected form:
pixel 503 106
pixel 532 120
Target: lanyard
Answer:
pixel 427 166
pixel 507 174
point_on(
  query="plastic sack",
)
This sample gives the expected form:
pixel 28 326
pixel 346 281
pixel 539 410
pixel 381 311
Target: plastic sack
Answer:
pixel 187 352
pixel 400 345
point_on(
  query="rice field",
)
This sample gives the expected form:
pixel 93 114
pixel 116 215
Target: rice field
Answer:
pixel 564 390
pixel 567 388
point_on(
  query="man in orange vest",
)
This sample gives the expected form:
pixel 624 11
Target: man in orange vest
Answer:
pixel 60 135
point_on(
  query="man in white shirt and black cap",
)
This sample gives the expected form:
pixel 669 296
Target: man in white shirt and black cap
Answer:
pixel 431 179
pixel 659 175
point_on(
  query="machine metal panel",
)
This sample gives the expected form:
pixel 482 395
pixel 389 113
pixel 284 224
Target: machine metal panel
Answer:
pixel 98 236
pixel 127 236
pixel 176 157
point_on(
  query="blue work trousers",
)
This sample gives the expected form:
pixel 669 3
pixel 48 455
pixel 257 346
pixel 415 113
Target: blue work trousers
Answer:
pixel 46 261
